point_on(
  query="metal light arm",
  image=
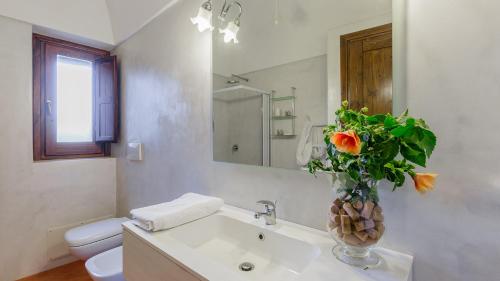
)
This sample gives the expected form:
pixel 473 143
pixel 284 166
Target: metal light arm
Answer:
pixel 225 9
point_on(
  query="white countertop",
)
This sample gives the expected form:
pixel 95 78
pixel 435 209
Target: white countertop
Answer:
pixel 395 266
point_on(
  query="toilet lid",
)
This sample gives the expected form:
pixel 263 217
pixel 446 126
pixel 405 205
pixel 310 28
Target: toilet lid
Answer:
pixel 107 264
pixel 93 232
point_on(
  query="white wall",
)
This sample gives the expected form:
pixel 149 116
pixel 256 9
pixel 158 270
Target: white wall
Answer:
pixel 37 196
pixel 453 71
pixel 84 18
pixel 166 94
pixel 222 148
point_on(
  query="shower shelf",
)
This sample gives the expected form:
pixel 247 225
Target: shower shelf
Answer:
pixel 279 117
pixel 284 117
pixel 284 98
pixel 284 136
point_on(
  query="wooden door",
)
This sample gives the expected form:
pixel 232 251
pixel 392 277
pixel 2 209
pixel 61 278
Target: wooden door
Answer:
pixel 366 69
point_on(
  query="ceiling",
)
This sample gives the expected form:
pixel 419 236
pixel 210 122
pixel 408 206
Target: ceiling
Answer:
pixel 129 16
pixel 100 23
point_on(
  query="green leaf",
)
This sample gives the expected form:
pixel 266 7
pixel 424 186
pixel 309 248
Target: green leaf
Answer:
pixel 391 150
pixel 389 166
pixel 330 150
pixel 327 139
pixel 390 122
pixel 316 165
pixel 405 131
pixel 349 163
pixel 376 119
pixel 428 142
pixel 399 131
pixel 395 173
pixel 424 138
pixel 354 174
pixel 410 131
pixel 414 153
pixel 421 123
pixel 400 179
pixel 410 122
pixel 376 171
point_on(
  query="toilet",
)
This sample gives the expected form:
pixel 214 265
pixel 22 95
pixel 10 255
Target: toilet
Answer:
pixel 99 244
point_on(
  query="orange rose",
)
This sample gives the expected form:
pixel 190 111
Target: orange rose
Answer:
pixel 347 141
pixel 424 181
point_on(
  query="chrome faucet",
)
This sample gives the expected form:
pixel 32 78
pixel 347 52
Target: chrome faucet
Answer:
pixel 270 213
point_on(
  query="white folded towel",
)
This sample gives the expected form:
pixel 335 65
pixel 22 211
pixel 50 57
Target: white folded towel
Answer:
pixel 187 208
pixel 304 148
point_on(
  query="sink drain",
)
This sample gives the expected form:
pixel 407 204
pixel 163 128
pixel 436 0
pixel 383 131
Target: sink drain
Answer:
pixel 246 266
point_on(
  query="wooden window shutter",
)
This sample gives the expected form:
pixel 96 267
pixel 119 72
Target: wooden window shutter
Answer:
pixel 106 99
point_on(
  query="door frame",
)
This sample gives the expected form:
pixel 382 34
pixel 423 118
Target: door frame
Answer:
pixel 344 52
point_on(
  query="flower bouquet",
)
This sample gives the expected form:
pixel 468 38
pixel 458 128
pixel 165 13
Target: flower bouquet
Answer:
pixel 362 150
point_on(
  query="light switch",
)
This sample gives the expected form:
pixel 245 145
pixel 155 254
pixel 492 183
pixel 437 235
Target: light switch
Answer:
pixel 135 151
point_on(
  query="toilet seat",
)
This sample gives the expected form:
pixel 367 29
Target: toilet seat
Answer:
pixel 87 251
pixel 88 240
pixel 107 266
pixel 93 232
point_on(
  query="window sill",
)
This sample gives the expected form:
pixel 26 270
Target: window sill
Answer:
pixel 98 158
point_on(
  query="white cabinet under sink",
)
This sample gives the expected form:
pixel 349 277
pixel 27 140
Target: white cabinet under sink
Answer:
pixel 142 262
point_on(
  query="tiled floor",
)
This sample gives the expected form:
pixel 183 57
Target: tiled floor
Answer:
pixel 70 272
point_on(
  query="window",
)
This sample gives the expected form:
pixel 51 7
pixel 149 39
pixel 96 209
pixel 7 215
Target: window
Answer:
pixel 75 100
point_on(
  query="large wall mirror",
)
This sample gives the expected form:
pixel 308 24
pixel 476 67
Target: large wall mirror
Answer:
pixel 282 67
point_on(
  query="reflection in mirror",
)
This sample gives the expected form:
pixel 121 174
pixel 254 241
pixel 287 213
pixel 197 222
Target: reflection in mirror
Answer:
pixel 294 61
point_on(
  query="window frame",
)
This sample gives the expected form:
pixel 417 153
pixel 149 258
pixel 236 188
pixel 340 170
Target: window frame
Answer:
pixel 45 146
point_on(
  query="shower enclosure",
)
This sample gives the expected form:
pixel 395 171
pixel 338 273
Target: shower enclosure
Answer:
pixel 241 125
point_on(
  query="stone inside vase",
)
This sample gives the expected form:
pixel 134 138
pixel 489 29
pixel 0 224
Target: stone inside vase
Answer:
pixel 356 223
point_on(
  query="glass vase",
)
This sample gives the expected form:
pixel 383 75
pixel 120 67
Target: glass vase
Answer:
pixel 356 221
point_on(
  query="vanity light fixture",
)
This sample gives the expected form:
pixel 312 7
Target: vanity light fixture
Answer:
pixel 232 28
pixel 231 31
pixel 204 17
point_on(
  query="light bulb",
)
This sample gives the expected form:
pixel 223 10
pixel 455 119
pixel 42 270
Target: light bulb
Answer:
pixel 203 19
pixel 230 32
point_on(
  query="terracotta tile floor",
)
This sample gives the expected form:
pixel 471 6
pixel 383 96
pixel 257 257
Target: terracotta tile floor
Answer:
pixel 70 272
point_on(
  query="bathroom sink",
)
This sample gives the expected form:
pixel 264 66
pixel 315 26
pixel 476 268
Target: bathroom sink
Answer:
pixel 231 245
pixel 253 251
